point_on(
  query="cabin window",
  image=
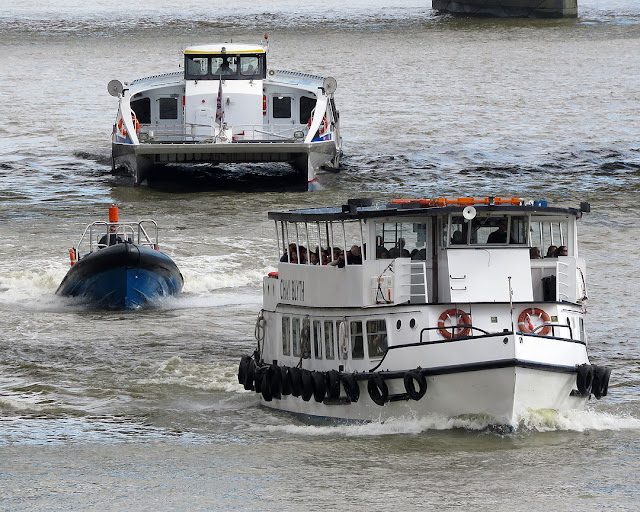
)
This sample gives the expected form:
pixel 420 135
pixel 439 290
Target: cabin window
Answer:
pixel 286 335
pixel 488 230
pixel 250 66
pixel 357 342
pixel 142 109
pixel 281 107
pixel 197 66
pixel 306 107
pixel 168 108
pixel 296 334
pixel 548 236
pixel 317 339
pixel 224 65
pixel 376 337
pixel 401 240
pixel 329 351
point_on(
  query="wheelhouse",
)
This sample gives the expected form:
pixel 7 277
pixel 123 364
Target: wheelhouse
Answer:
pixel 214 62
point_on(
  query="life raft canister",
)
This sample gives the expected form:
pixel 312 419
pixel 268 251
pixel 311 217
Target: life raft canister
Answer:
pixel 526 326
pixel 462 319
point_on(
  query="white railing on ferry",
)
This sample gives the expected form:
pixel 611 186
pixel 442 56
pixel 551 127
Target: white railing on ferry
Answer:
pixel 204 133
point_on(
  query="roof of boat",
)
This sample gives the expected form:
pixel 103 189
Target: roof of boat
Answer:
pixel 365 209
pixel 228 48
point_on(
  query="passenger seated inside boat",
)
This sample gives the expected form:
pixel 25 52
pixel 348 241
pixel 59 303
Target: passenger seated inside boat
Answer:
pixel 551 251
pixel 562 251
pixel 534 253
pixel 110 239
pixel 313 258
pixel 457 238
pixel 226 65
pixel 499 236
pixel 338 258
pixel 354 256
pixel 293 250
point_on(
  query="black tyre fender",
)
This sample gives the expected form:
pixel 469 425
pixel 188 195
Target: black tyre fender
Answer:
pixel 307 385
pixel 378 390
pixel 295 381
pixel 285 380
pixel 242 369
pixel 319 386
pixel 275 381
pixel 251 375
pixel 410 379
pixel 601 376
pixel 333 384
pixel 265 386
pixel 351 387
pixel 584 379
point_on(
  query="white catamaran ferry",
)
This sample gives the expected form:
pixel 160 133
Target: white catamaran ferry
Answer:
pixel 226 107
pixel 452 306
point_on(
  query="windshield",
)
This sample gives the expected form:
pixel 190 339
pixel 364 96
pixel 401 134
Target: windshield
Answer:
pixel 487 230
pixel 228 67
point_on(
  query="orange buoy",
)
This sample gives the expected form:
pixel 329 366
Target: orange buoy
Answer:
pixel 462 324
pixel 526 325
pixel 72 256
pixel 113 214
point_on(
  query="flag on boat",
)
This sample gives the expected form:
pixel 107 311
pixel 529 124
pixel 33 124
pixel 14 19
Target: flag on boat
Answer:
pixel 219 107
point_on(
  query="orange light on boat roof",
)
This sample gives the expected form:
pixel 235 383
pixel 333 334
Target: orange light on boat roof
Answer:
pixel 460 201
pixel 113 214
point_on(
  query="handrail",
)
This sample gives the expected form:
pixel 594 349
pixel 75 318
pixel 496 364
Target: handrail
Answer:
pixel 459 326
pixel 137 231
pixel 541 326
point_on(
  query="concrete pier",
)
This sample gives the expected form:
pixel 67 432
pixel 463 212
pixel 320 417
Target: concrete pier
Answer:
pixel 510 8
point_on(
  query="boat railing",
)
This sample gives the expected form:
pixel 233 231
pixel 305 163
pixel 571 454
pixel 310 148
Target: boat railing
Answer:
pixel 206 133
pixel 131 232
pixel 455 337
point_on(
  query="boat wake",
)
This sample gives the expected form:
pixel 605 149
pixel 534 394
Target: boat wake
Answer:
pixel 536 422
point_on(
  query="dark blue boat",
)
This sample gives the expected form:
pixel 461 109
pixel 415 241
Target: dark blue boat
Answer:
pixel 123 269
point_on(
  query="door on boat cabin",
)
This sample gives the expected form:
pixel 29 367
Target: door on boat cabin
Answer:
pixel 168 117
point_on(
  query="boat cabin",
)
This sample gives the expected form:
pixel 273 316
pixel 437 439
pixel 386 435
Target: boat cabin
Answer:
pixel 488 250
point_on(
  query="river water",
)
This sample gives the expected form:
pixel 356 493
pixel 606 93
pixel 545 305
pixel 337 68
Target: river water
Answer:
pixel 113 411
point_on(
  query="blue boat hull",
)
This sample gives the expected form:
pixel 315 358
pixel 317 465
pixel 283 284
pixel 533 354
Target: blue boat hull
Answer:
pixel 122 277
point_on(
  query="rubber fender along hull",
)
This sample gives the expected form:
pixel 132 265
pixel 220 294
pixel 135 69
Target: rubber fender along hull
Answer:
pixel 122 277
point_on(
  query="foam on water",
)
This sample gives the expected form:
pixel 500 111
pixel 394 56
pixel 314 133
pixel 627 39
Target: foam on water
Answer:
pixel 214 376
pixel 548 421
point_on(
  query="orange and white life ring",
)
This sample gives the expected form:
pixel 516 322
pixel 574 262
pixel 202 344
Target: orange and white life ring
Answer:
pixel 72 256
pixel 526 325
pixel 323 125
pixel 462 321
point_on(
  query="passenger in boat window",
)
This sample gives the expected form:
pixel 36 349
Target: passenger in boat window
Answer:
pixel 384 254
pixel 354 256
pixel 551 252
pixel 420 254
pixel 226 65
pixel 302 254
pixel 534 253
pixel 313 258
pixel 338 258
pixel 499 236
pixel 398 251
pixel 110 239
pixel 457 238
pixel 325 257
pixel 293 251
pixel 562 251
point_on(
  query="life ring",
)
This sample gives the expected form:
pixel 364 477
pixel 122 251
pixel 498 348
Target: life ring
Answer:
pixel 333 384
pixel 307 385
pixel 135 122
pixel 351 387
pixel 526 326
pixel 378 390
pixel 584 379
pixel 410 378
pixel 319 386
pixel 295 381
pixel 600 385
pixel 72 256
pixel 323 124
pixel 459 315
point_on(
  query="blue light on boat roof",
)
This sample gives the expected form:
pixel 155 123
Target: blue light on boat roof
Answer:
pixel 540 203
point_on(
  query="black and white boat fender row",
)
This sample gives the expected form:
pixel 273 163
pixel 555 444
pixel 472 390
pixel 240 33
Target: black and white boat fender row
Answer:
pixel 274 381
pixel 592 378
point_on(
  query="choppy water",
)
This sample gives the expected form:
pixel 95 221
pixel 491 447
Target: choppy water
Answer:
pixel 109 411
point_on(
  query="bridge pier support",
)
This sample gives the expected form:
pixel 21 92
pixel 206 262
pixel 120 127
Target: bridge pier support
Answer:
pixel 509 8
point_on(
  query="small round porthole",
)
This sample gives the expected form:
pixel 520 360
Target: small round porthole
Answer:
pixel 398 324
pixel 412 323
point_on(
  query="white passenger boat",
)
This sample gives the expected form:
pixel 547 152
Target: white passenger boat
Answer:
pixel 440 306
pixel 226 107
